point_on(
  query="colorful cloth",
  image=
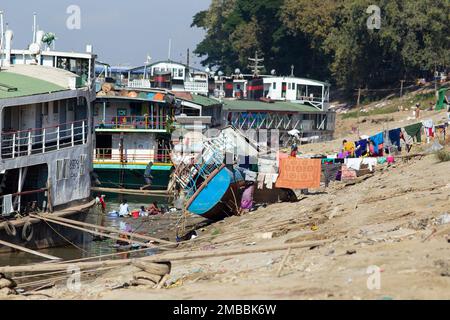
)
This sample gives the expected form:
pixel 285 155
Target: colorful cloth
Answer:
pixel 247 198
pixel 394 137
pixel 348 174
pixel 377 140
pixel 330 172
pixel 350 147
pixel 361 148
pixel 414 131
pixel 371 162
pixel 299 173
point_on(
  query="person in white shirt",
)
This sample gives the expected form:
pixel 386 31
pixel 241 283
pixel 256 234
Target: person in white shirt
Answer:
pixel 124 209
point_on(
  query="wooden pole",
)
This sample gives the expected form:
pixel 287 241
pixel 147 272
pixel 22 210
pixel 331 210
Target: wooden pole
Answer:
pixel 401 88
pixel 130 241
pixel 84 224
pixel 159 258
pixel 42 255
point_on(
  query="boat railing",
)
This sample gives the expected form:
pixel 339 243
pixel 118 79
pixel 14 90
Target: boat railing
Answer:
pixel 134 122
pixel 139 84
pixel 196 86
pixel 110 155
pixel 23 143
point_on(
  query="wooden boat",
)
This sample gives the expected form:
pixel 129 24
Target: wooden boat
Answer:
pixel 218 196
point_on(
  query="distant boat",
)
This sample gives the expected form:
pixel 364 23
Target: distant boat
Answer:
pixel 218 196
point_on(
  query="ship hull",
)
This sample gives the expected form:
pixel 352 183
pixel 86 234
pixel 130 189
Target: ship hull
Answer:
pixel 46 234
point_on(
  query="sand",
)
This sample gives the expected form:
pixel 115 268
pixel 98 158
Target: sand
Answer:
pixel 388 222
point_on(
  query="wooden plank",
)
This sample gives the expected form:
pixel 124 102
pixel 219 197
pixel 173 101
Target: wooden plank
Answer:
pixel 42 255
pixel 130 241
pixel 84 224
pixel 163 258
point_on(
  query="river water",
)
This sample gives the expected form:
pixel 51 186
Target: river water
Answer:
pixel 158 227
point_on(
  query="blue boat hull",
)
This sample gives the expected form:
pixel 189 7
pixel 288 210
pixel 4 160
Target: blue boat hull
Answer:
pixel 219 195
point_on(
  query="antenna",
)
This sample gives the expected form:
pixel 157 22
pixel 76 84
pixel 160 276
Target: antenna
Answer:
pixel 188 58
pixel 255 67
pixel 170 49
pixel 34 26
pixel 292 70
pixel 2 37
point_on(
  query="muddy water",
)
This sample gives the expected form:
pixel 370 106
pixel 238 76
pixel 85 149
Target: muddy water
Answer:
pixel 158 227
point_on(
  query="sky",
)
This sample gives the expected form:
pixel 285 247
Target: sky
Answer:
pixel 122 32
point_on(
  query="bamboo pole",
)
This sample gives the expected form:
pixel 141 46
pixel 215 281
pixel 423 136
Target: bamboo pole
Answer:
pixel 42 255
pixel 93 232
pixel 159 258
pixel 84 224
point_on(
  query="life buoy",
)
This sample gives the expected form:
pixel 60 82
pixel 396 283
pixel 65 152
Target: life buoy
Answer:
pixel 10 229
pixel 27 231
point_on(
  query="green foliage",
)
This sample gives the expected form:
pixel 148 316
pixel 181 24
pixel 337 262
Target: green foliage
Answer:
pixel 328 39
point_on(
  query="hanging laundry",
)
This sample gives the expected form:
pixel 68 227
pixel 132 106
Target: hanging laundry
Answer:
pixel 353 163
pixel 299 173
pixel 377 140
pixel 361 148
pixel 7 205
pixel 330 172
pixel 394 137
pixel 414 131
pixel 261 179
pixel 371 162
pixel 348 174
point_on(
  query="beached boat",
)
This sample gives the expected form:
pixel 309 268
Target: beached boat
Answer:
pixel 46 142
pixel 218 196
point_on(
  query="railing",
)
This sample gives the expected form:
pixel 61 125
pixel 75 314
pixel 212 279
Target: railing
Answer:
pixel 194 86
pixel 36 141
pixel 107 155
pixel 134 122
pixel 139 84
pixel 25 202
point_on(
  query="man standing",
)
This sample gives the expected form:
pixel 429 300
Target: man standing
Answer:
pixel 148 177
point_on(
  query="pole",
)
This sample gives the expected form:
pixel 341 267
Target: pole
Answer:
pixel 16 247
pixel 2 31
pixel 401 88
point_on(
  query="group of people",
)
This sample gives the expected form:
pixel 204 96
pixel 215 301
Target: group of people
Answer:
pixel 152 210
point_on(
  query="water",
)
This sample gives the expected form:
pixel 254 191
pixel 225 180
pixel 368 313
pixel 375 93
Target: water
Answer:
pixel 158 227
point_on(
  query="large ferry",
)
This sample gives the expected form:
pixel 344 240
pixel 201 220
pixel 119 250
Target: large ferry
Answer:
pixel 46 101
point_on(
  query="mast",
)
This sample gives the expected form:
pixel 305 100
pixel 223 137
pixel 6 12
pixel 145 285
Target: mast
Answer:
pixel 255 66
pixel 2 38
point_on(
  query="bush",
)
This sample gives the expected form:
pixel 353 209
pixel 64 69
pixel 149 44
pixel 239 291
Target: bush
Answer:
pixel 443 155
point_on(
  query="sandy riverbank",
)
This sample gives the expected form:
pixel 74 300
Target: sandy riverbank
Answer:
pixel 389 220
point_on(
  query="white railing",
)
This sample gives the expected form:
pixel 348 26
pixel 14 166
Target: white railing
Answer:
pixel 139 84
pixel 196 87
pixel 36 141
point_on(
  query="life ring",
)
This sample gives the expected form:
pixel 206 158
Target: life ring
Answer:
pixel 10 229
pixel 27 231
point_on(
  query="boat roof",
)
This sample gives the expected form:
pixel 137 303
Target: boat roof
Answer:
pixel 28 80
pixel 276 106
pixel 198 99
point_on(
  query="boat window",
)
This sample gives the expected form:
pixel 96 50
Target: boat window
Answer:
pixel 56 107
pixel 45 109
pixel 274 85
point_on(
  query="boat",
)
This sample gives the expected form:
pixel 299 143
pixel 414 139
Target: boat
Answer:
pixel 218 196
pixel 46 100
pixel 132 129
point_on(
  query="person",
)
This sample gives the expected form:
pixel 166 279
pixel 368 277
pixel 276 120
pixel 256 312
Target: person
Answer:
pixel 124 210
pixel 143 212
pixel 153 209
pixel 148 177
pixel 372 151
pixel 349 148
pixel 417 111
pixel 102 203
pixel 294 150
pixel 247 197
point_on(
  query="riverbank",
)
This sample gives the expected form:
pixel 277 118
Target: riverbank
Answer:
pixel 386 220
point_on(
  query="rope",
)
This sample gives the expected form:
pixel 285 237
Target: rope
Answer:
pixel 64 238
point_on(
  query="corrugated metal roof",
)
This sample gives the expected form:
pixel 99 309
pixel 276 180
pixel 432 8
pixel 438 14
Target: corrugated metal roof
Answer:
pixel 17 85
pixel 278 106
pixel 205 101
